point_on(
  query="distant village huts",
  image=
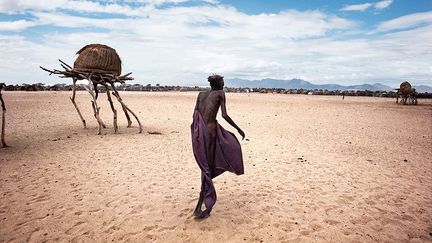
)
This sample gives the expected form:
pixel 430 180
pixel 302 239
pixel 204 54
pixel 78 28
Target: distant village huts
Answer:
pixel 167 88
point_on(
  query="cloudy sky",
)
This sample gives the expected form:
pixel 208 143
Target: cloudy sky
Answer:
pixel 183 41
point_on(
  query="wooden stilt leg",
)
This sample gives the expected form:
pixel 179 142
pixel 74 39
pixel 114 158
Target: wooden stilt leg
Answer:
pixel 112 108
pixel 96 96
pixel 127 116
pixel 95 106
pixel 117 95
pixel 125 110
pixel 73 102
pixel 3 143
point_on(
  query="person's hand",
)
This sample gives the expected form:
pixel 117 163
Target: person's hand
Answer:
pixel 241 133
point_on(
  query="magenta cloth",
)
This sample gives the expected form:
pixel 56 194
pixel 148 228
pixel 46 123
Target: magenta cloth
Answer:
pixel 228 156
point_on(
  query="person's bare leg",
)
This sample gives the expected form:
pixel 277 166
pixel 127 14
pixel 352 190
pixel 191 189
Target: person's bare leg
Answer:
pixel 211 153
pixel 211 157
pixel 198 210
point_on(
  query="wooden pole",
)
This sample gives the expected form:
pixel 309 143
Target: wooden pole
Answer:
pixel 94 105
pixel 125 109
pixel 3 143
pixel 117 95
pixel 73 102
pixel 96 97
pixel 112 107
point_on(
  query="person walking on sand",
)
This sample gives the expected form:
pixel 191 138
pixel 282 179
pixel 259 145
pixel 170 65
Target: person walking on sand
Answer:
pixel 215 149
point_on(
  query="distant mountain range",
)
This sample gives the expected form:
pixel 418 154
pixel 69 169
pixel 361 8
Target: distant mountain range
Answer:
pixel 302 84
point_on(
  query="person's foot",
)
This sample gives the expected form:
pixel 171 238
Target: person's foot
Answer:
pixel 197 213
pixel 201 214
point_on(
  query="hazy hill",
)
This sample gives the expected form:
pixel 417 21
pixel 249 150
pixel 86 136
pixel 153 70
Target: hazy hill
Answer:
pixel 302 84
pixel 423 88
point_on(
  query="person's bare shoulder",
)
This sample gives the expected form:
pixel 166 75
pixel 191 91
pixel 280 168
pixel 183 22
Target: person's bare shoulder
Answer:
pixel 200 95
pixel 221 93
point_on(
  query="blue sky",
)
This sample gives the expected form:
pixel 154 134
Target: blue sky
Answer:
pixel 183 41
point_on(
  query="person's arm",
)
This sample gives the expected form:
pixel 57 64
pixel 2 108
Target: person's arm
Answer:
pixel 227 118
pixel 197 103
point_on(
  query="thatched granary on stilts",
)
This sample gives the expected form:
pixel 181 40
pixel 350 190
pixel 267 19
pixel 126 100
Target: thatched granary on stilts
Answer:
pixel 100 65
pixel 407 93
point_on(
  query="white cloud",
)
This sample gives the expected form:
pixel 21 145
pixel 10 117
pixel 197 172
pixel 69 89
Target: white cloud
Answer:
pixel 407 21
pixel 64 20
pixel 158 2
pixel 17 6
pixel 10 6
pixel 357 7
pixel 114 6
pixel 205 22
pixel 365 6
pixel 18 25
pixel 383 4
pixel 211 1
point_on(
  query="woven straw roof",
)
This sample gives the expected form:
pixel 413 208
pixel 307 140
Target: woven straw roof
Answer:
pixel 98 58
pixel 405 86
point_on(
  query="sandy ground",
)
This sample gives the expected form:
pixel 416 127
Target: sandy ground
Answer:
pixel 317 168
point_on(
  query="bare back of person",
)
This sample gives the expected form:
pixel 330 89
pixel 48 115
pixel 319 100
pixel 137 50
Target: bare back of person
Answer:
pixel 208 105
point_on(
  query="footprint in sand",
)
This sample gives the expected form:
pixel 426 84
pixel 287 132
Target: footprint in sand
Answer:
pixel 40 198
pixel 112 229
pixel 331 221
pixel 184 212
pixel 363 220
pixel 33 234
pixel 76 228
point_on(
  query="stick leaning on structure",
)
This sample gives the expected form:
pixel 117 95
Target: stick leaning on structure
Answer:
pixel 99 64
pixel 3 127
